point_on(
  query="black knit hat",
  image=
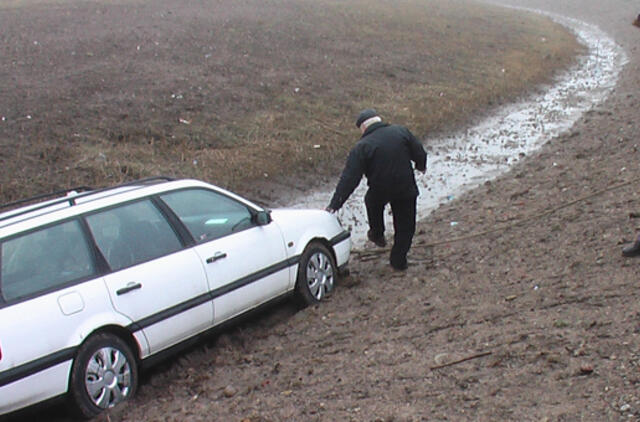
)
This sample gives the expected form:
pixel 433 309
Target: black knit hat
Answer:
pixel 365 114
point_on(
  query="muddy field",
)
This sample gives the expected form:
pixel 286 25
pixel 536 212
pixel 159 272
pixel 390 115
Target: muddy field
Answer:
pixel 99 92
pixel 543 306
pixel 523 311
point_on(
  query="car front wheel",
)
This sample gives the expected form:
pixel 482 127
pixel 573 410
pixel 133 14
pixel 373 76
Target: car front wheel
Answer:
pixel 316 274
pixel 104 373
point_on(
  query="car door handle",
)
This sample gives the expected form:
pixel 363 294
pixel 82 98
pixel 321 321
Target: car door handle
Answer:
pixel 216 256
pixel 130 287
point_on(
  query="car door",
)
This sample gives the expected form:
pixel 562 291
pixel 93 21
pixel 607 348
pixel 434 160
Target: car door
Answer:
pixel 155 281
pixel 245 262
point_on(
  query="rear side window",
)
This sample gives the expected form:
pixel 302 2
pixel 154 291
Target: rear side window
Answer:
pixel 44 259
pixel 208 215
pixel 132 234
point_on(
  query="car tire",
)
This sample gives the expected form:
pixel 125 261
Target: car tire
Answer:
pixel 104 374
pixel 317 273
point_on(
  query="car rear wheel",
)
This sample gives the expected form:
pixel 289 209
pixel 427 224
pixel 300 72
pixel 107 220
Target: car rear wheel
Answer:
pixel 316 274
pixel 104 374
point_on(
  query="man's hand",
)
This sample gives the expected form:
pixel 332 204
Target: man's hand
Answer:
pixel 330 210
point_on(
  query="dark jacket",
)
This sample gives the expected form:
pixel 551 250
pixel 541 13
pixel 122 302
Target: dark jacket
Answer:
pixel 383 154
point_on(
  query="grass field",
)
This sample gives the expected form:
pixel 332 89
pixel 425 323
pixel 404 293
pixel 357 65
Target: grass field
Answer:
pixel 99 92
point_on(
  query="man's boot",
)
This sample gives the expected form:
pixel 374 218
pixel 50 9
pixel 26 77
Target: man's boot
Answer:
pixel 633 250
pixel 378 240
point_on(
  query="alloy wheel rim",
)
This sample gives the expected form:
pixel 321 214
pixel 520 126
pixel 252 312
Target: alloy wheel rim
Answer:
pixel 108 377
pixel 319 275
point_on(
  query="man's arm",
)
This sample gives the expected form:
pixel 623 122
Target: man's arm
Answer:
pixel 417 152
pixel 349 180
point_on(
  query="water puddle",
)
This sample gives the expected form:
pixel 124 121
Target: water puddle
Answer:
pixel 469 158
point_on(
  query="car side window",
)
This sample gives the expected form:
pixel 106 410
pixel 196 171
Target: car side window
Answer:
pixel 42 260
pixel 132 234
pixel 207 214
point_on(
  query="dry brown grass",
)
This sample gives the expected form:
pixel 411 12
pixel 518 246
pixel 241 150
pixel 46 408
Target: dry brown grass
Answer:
pixel 233 92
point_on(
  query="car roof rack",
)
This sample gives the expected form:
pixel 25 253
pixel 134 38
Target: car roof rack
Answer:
pixel 46 195
pixel 71 199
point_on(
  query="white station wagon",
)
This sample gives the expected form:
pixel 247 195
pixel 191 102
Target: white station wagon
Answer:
pixel 95 284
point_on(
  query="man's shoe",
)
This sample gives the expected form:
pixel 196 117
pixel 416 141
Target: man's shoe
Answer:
pixel 397 267
pixel 379 241
pixel 633 250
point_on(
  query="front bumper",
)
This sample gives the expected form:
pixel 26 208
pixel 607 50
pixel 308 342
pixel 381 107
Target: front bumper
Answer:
pixel 342 248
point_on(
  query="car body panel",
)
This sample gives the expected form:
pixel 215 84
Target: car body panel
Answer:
pixel 300 227
pixel 43 385
pixel 172 302
pixel 58 336
pixel 245 278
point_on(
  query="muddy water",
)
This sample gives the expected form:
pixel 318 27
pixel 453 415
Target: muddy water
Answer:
pixel 469 158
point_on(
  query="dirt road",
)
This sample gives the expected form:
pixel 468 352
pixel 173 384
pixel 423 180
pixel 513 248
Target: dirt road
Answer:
pixel 541 303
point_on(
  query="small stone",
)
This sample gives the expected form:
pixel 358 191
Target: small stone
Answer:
pixel 586 369
pixel 229 391
pixel 625 407
pixel 441 358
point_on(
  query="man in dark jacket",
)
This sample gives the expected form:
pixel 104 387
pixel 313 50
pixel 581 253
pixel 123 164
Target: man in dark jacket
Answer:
pixel 384 155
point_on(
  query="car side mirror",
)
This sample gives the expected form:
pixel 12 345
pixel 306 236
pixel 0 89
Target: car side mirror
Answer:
pixel 262 218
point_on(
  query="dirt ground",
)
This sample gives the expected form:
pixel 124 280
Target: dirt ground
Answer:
pixel 531 315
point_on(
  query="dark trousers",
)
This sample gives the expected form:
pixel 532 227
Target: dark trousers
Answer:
pixel 404 223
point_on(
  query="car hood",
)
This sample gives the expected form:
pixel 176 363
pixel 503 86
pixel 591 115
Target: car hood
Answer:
pixel 315 219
